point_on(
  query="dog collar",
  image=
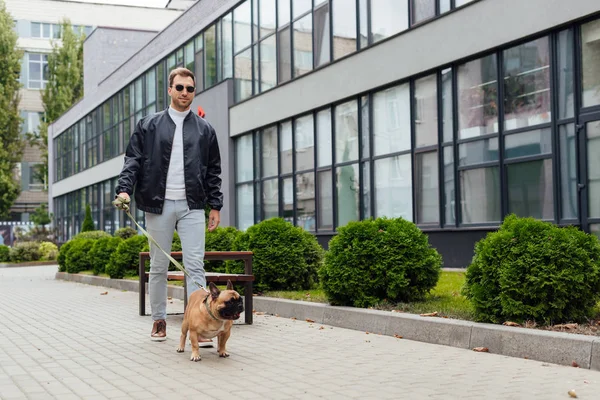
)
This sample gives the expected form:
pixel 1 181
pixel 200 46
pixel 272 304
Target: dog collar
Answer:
pixel 208 308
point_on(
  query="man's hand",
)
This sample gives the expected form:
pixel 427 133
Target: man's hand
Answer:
pixel 122 201
pixel 214 218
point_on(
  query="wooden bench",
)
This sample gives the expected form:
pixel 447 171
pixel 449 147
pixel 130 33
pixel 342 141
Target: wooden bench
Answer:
pixel 246 278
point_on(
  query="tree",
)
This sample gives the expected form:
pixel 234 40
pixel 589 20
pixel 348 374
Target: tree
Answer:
pixel 88 222
pixel 64 87
pixel 11 143
pixel 41 216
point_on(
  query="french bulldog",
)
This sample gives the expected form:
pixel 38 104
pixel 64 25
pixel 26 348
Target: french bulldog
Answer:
pixel 210 314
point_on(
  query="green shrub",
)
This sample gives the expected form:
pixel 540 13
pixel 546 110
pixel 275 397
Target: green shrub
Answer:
pixel 91 235
pixel 221 239
pixel 101 251
pixel 285 256
pixel 62 256
pixel 374 260
pixel 48 251
pixel 124 260
pixel 175 246
pixel 25 251
pixel 534 270
pixel 88 222
pixel 125 233
pixel 4 253
pixel 78 259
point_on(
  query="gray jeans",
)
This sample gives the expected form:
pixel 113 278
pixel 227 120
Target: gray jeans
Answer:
pixel 190 226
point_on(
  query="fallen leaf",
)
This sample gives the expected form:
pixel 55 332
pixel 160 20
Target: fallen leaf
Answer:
pixel 309 320
pixel 433 314
pixel 510 323
pixel 574 364
pixel 566 326
pixel 103 293
pixel 294 318
pixel 481 349
pixel 572 393
pixel 398 336
pixel 585 382
pixel 169 298
pixel 277 315
pixel 260 313
pixel 367 333
pixel 322 328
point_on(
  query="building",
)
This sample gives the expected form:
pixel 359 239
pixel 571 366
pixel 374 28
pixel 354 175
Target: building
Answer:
pixel 449 113
pixel 37 23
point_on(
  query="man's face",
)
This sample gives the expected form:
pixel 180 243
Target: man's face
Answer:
pixel 181 99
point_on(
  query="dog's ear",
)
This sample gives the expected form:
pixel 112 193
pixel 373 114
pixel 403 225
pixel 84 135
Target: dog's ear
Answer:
pixel 214 290
pixel 229 284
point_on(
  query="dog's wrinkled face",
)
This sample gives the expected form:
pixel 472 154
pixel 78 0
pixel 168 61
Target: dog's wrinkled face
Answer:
pixel 228 302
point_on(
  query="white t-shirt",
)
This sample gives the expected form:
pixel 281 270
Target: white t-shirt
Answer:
pixel 175 176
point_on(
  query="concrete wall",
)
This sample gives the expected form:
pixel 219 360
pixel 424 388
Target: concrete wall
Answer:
pixel 106 49
pixel 479 27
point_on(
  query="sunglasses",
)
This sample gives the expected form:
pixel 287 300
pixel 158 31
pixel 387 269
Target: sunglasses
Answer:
pixel 190 89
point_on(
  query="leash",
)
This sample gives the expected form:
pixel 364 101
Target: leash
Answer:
pixel 123 204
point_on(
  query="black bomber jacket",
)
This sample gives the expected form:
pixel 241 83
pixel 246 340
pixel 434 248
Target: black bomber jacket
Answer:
pixel 147 162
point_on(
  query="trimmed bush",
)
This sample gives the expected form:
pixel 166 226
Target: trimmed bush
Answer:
pixel 101 251
pixel 124 260
pixel 285 256
pixel 48 251
pixel 374 260
pixel 175 246
pixel 77 258
pixel 534 270
pixel 91 235
pixel 4 253
pixel 88 222
pixel 125 233
pixel 221 239
pixel 62 256
pixel 25 251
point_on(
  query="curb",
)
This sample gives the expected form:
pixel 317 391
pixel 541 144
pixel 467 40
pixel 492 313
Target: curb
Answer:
pixel 553 347
pixel 28 264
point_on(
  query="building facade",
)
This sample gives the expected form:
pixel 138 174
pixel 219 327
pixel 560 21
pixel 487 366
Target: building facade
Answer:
pixel 38 25
pixel 449 113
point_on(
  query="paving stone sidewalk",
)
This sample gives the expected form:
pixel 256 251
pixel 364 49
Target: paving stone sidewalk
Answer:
pixel 65 340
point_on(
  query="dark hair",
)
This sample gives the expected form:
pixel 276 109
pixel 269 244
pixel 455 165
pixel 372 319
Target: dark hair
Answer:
pixel 182 72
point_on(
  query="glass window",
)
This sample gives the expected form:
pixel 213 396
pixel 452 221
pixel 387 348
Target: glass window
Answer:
pixel 270 199
pixel 288 199
pixel 210 62
pixel 426 114
pixel 255 64
pixel 267 17
pixel 527 84
pixel 325 203
pixel 568 172
pixel 593 167
pixel 344 27
pixel 285 141
pixel 285 55
pixel 300 7
pixel 388 17
pixel 590 58
pixel 227 46
pixel 38 70
pixel 305 143
pixel 480 151
pixel 365 133
pixel 422 10
pixel 199 65
pixel 36 30
pixel 189 55
pixel 269 151
pixel 243 75
pixel 447 102
pixel 245 206
pixel 268 63
pixel 530 192
pixel 324 150
pixel 151 86
pixel 458 3
pixel 480 195
pixel 477 97
pixel 303 52
pixel 347 186
pixel 444 6
pixel 243 159
pixel 565 55
pixel 426 187
pixel 363 23
pixel 242 29
pixel 283 12
pixel 393 187
pixel 391 120
pixel 528 143
pixel 305 201
pixel 322 48
pixel 449 194
pixel 366 189
pixel 346 132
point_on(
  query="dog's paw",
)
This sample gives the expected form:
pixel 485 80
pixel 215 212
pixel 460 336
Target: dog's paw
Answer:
pixel 195 357
pixel 223 354
pixel 180 350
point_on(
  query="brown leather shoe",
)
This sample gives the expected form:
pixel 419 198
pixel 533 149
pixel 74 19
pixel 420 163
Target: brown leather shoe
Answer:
pixel 159 331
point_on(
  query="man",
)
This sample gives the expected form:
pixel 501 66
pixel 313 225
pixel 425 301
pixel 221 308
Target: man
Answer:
pixel 173 162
